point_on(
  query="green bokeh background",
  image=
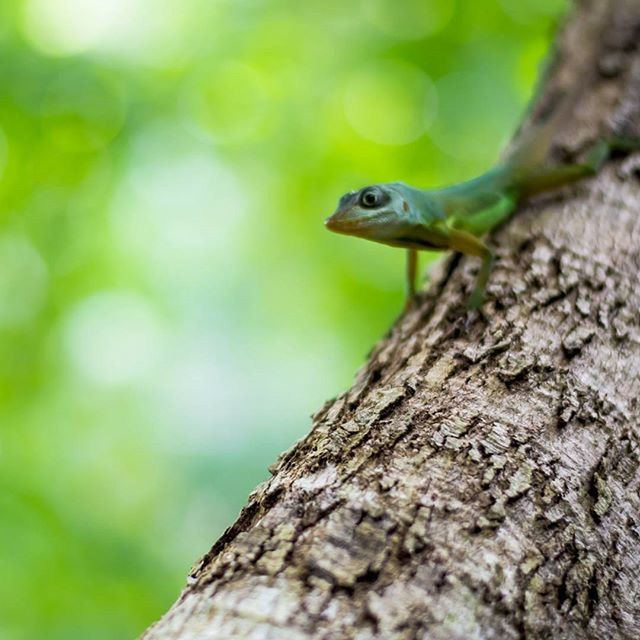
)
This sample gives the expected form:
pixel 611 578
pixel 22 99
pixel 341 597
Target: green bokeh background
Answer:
pixel 171 308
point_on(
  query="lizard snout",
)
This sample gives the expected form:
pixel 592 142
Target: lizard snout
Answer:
pixel 345 221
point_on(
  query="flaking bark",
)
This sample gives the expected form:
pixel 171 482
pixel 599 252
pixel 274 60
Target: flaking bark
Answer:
pixel 481 479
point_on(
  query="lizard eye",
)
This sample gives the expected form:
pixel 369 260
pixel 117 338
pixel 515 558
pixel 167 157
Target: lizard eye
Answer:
pixel 370 197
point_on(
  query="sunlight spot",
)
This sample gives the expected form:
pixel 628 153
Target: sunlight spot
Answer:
pixel 178 206
pixel 390 103
pixel 63 27
pixel 113 338
pixel 148 31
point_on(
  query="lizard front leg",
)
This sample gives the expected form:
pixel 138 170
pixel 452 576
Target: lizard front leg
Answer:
pixel 468 244
pixel 412 269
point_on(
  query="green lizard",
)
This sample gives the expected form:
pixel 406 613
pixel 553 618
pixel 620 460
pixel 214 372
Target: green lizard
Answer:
pixel 456 217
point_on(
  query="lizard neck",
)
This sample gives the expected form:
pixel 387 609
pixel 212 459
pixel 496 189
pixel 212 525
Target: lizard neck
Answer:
pixel 472 195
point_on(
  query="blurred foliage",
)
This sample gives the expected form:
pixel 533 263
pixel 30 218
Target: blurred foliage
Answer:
pixel 171 308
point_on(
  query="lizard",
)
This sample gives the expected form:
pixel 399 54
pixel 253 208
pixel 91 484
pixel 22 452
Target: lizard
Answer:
pixel 457 217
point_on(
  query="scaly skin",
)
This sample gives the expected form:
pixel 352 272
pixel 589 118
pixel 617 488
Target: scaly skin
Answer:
pixel 456 217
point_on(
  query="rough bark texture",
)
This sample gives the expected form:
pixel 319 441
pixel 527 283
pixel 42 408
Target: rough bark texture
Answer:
pixel 481 479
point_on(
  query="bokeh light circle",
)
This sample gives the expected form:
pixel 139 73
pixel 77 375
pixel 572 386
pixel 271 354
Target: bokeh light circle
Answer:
pixel 471 91
pixel 410 20
pixel 179 207
pixel 229 102
pixel 83 111
pixel 66 27
pixel 113 337
pixel 390 102
pixel 23 280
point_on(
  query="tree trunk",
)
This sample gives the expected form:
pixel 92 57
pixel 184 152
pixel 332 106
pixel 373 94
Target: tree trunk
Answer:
pixel 481 479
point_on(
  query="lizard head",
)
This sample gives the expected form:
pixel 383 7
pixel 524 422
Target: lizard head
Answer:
pixel 382 212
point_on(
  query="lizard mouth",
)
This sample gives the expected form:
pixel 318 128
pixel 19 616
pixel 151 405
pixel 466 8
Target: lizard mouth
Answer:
pixel 352 222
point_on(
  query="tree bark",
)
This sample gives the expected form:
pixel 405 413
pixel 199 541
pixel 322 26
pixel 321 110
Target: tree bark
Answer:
pixel 482 477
